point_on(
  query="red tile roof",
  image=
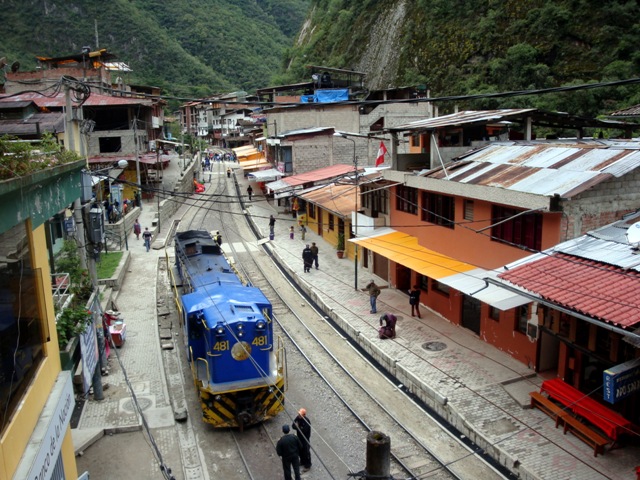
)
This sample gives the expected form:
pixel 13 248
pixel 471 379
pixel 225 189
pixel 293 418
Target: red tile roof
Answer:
pixel 592 288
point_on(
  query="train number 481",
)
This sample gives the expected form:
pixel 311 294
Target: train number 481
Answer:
pixel 260 341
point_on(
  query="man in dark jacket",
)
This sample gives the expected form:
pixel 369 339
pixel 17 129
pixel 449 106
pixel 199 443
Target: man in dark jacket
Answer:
pixel 288 448
pixel 314 252
pixel 307 258
pixel 302 425
pixel 414 301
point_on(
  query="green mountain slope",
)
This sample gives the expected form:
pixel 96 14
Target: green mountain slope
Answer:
pixel 188 47
pixel 472 46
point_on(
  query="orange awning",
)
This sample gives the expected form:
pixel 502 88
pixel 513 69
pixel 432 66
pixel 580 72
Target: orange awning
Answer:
pixel 405 250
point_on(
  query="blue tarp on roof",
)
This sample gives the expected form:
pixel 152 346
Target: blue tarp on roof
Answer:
pixel 333 95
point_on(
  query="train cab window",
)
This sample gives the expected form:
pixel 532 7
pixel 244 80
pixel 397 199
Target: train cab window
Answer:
pixel 191 249
pixel 244 309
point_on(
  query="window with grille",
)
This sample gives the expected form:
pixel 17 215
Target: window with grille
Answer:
pixel 438 209
pixel 522 230
pixel 522 315
pixel 468 210
pixel 407 199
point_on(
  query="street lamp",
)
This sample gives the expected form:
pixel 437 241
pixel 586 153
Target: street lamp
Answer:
pixel 355 217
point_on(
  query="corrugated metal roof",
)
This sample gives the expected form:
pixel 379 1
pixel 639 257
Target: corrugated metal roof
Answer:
pixel 542 169
pixel 306 131
pixel 465 117
pixel 592 288
pixel 37 123
pixel 538 117
pixel 58 101
pixel 633 111
pixel 338 199
pixel 324 173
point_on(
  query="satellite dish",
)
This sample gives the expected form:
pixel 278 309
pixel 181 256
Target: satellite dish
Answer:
pixel 15 66
pixel 633 234
pixel 3 62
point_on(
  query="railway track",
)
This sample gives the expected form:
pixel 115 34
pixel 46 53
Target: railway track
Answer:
pixel 314 346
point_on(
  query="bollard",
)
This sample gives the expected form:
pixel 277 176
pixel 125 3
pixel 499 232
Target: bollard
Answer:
pixel 378 455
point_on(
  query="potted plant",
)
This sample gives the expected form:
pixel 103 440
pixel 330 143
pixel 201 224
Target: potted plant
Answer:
pixel 340 245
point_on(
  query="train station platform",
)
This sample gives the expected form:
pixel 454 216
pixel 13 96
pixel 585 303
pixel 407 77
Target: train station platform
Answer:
pixel 483 392
pixel 480 390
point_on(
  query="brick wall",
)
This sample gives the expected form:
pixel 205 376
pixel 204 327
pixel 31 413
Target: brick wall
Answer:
pixel 603 204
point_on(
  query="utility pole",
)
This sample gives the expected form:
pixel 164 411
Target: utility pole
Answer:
pixel 135 146
pixel 69 123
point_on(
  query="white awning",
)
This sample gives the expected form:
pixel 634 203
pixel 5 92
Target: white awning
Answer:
pixel 472 284
pixel 169 141
pixel 268 175
pixel 261 139
pixel 113 173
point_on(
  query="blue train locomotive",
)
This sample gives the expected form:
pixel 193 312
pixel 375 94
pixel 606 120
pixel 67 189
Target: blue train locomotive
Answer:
pixel 239 367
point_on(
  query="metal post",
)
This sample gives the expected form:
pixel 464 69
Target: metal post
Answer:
pixel 159 185
pixel 355 216
pixel 355 221
pixel 135 145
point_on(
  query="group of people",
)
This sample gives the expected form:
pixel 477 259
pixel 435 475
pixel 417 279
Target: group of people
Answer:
pixel 310 256
pixel 209 158
pixel 147 236
pixel 295 450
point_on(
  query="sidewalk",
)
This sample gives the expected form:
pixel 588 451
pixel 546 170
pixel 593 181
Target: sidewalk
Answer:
pixel 480 390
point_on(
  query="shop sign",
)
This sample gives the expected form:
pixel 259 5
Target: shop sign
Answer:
pixel 621 381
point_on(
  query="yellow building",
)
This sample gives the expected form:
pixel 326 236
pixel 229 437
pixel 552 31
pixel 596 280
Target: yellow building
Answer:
pixel 36 396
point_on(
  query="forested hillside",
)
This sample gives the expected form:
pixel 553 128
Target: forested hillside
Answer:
pixel 188 47
pixel 477 46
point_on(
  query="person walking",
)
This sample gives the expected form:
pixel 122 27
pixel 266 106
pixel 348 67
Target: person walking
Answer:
pixel 314 252
pixel 288 448
pixel 250 192
pixel 137 229
pixel 374 291
pixel 303 232
pixel 388 330
pixel 218 239
pixel 302 425
pixel 147 236
pixel 291 232
pixel 272 224
pixel 228 172
pixel 414 301
pixel 307 258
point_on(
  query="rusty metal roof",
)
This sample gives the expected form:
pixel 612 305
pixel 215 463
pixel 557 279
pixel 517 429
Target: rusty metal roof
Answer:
pixel 461 118
pixel 338 199
pixel 543 169
pixel 508 115
pixel 633 111
pixel 33 125
pixel 58 101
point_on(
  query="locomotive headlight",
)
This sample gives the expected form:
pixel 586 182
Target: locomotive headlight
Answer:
pixel 240 334
pixel 261 325
pixel 240 327
pixel 219 330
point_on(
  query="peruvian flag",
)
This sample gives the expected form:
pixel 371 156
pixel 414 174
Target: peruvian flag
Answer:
pixel 382 151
